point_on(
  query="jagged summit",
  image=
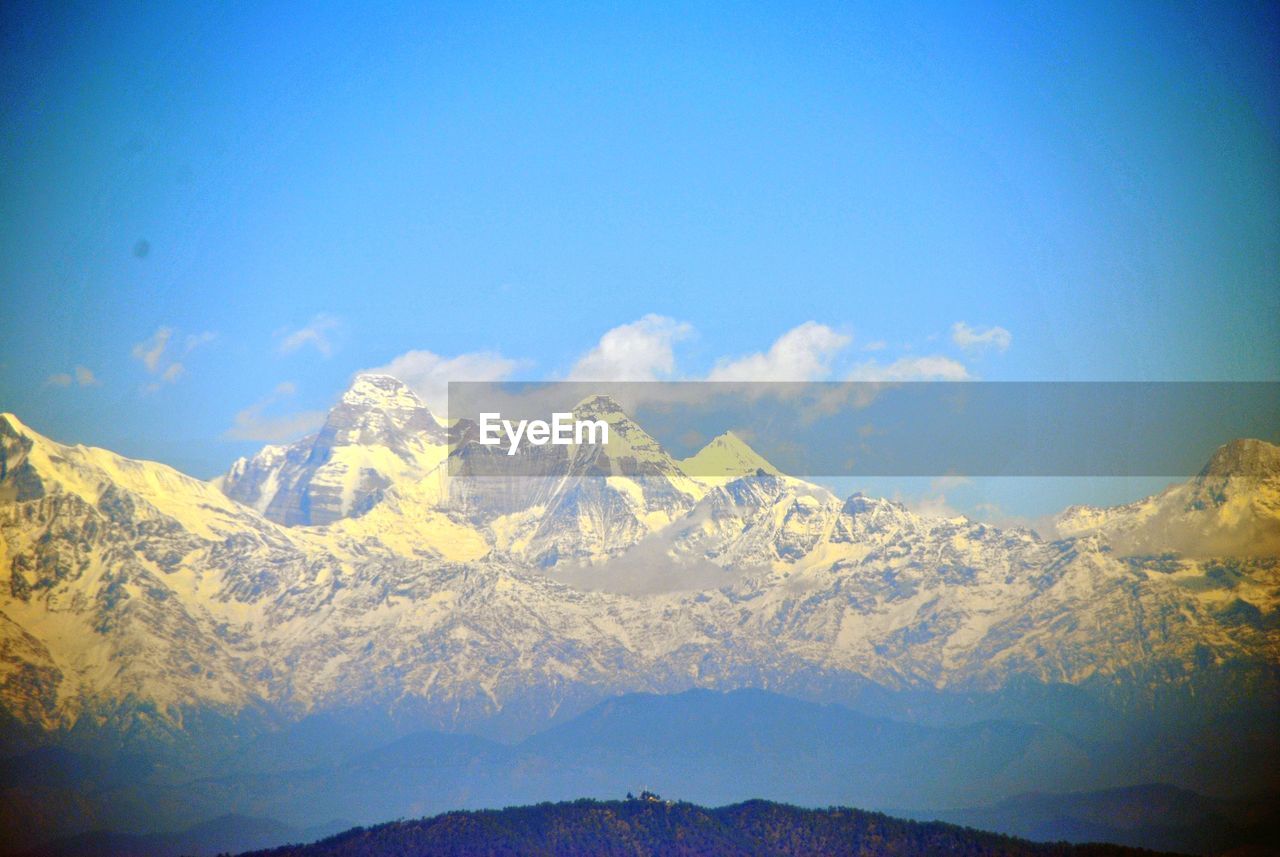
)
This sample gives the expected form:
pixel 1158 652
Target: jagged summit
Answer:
pixel 859 503
pixel 375 389
pixel 377 410
pixel 377 435
pixel 1244 457
pixel 600 406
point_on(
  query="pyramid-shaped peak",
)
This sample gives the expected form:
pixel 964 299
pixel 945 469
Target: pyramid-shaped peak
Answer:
pixel 627 438
pixel 1244 457
pixel 732 441
pixel 727 455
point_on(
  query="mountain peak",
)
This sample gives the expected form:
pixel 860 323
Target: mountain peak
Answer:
pixel 1244 457
pixel 378 433
pixel 374 390
pixel 11 425
pixel 375 409
pixel 727 455
pixel 600 405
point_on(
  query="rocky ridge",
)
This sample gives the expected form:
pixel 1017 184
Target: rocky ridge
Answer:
pixel 136 593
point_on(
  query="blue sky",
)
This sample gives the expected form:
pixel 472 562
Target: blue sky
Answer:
pixel 214 214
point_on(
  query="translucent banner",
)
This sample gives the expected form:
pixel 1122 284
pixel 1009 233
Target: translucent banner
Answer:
pixel 853 429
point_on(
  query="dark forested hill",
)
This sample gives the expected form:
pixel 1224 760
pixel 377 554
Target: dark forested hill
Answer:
pixel 654 827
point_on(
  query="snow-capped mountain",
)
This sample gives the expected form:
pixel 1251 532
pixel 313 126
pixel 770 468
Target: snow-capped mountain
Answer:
pixel 351 570
pixel 595 502
pixel 727 455
pixel 1232 508
pixel 380 434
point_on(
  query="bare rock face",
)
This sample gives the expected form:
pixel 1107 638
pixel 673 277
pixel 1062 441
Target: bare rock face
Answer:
pixel 19 479
pixel 1245 458
pixel 379 434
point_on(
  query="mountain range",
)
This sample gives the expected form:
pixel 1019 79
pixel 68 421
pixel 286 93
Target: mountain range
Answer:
pixel 361 573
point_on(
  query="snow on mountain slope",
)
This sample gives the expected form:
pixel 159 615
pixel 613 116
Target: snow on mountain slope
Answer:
pixel 133 589
pixel 1232 508
pixel 105 565
pixel 36 467
pixel 380 434
pixel 596 501
pixel 1236 496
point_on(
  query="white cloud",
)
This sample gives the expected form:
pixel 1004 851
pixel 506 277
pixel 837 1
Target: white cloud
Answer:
pixel 803 353
pixel 151 350
pixel 164 361
pixel 926 368
pixel 195 340
pixel 81 376
pixel 640 351
pixel 644 350
pixel 877 345
pixel 934 503
pixel 252 424
pixel 316 333
pixel 978 339
pixel 933 506
pixel 428 374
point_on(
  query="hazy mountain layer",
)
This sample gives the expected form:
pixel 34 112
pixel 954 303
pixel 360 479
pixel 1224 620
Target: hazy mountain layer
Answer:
pixel 702 746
